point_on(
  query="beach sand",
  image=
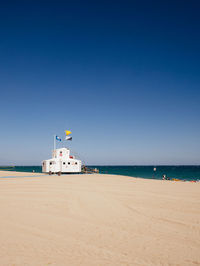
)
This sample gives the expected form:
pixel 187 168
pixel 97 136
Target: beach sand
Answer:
pixel 98 220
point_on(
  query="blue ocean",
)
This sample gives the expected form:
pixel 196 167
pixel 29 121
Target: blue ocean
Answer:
pixel 178 172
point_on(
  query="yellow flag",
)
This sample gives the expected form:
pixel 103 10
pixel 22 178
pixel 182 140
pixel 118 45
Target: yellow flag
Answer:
pixel 68 132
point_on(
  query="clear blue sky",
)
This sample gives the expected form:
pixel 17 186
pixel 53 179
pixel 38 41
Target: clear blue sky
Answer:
pixel 123 76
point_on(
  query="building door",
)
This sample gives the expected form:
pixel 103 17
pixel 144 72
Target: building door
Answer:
pixel 51 167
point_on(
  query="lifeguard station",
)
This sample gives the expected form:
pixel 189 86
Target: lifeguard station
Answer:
pixel 61 161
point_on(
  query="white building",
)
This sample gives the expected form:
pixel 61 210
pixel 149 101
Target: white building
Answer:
pixel 61 162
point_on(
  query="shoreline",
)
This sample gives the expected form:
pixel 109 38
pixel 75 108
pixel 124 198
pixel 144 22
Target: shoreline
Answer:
pixel 16 174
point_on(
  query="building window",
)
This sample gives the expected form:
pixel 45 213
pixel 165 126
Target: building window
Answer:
pixel 68 162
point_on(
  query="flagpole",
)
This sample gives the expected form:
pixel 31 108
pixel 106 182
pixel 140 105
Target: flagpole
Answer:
pixel 54 144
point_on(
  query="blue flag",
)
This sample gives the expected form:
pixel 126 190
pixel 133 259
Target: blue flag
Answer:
pixel 58 138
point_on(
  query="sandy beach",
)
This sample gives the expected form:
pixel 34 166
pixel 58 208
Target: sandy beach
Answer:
pixel 98 220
